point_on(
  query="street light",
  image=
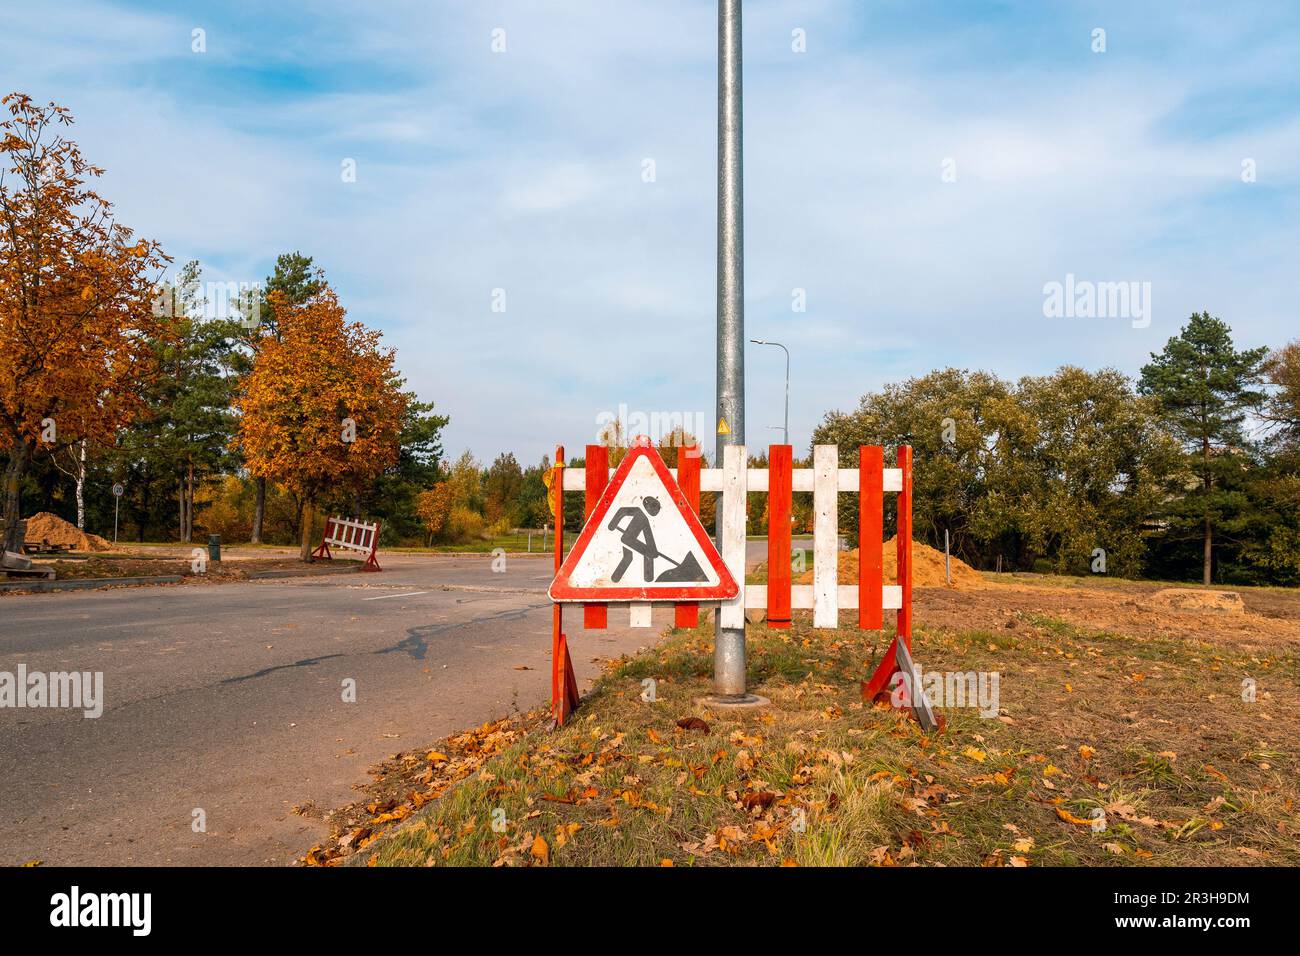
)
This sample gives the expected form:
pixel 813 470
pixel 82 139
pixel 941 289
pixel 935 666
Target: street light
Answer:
pixel 787 382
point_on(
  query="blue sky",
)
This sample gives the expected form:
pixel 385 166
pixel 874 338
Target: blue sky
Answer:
pixel 523 170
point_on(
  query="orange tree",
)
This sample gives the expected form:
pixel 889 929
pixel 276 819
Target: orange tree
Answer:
pixel 77 327
pixel 321 411
pixel 433 507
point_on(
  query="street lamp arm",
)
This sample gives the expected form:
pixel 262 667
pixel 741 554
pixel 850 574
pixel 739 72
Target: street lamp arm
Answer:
pixel 787 382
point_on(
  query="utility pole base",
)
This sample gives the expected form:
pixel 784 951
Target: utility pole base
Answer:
pixel 733 703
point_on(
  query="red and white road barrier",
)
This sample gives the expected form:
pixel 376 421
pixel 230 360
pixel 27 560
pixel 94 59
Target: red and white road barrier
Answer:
pixel 359 536
pixel 734 481
pixel 871 596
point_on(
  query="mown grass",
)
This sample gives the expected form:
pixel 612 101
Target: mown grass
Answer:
pixel 1153 736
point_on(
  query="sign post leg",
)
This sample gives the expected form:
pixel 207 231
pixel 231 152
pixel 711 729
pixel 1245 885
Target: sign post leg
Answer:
pixel 564 683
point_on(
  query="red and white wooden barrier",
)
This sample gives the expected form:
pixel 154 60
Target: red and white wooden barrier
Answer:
pixel 826 597
pixel 871 596
pixel 359 536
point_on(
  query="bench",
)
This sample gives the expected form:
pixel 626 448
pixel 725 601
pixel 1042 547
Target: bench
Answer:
pixel 359 536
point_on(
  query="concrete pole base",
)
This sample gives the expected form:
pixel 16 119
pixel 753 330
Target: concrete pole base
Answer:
pixel 733 703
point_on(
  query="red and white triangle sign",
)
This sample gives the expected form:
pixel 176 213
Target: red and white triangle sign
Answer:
pixel 643 542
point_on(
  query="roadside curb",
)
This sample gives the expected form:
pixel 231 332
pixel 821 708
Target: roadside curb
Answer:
pixel 79 584
pixel 304 573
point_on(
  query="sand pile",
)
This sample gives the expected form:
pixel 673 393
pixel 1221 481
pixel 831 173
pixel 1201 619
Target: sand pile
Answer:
pixel 1194 599
pixel 54 530
pixel 927 568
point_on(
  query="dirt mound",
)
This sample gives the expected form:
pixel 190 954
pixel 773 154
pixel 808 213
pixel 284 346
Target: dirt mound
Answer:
pixel 1195 599
pixel 54 530
pixel 927 568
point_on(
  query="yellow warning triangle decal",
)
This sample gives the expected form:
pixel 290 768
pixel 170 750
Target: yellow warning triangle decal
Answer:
pixel 723 429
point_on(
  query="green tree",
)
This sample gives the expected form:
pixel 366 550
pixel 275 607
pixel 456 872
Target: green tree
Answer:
pixel 1272 547
pixel 190 422
pixel 393 497
pixel 958 423
pixel 1099 460
pixel 1205 387
pixel 534 510
pixel 501 489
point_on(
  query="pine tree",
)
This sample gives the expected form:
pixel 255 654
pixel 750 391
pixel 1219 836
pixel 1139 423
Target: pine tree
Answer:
pixel 1205 387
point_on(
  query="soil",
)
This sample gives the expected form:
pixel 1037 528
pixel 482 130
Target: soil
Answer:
pixel 1265 619
pixel 52 529
pixel 1191 599
pixel 927 568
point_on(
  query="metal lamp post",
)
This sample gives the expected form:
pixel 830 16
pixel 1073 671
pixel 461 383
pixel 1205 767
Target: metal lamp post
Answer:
pixel 787 382
pixel 729 642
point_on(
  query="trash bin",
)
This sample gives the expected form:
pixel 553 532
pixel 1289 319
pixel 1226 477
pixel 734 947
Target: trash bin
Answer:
pixel 214 547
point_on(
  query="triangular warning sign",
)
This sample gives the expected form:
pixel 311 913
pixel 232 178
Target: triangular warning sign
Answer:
pixel 643 543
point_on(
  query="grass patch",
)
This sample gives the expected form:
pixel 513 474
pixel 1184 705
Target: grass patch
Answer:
pixel 1106 751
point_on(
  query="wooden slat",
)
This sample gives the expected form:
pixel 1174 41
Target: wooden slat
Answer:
pixel 757 479
pixel 732 613
pixel 871 516
pixel 779 502
pixel 825 536
pixel 688 479
pixel 596 474
pixel 802 596
pixel 559 646
pixel 905 545
pixel 639 615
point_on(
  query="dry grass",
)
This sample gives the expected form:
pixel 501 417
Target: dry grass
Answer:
pixel 1150 730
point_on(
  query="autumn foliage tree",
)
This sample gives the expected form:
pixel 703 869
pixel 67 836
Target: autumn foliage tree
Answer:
pixel 433 506
pixel 77 325
pixel 321 411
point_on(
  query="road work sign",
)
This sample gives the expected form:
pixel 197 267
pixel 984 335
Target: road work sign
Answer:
pixel 643 542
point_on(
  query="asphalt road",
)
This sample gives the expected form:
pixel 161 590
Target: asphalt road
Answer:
pixel 229 699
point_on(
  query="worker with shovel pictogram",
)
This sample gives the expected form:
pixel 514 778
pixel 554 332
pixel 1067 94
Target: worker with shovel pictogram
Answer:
pixel 638 537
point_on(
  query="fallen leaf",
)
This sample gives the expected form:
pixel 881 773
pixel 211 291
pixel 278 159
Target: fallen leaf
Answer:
pixel 1069 817
pixel 540 851
pixel 761 799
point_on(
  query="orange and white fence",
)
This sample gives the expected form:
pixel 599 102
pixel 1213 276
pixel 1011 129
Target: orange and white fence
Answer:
pixel 826 597
pixel 358 536
pixel 870 597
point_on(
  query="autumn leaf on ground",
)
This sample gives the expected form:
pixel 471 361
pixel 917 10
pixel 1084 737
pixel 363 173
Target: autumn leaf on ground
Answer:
pixel 540 851
pixel 1086 752
pixel 564 833
pixel 763 799
pixel 1069 817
